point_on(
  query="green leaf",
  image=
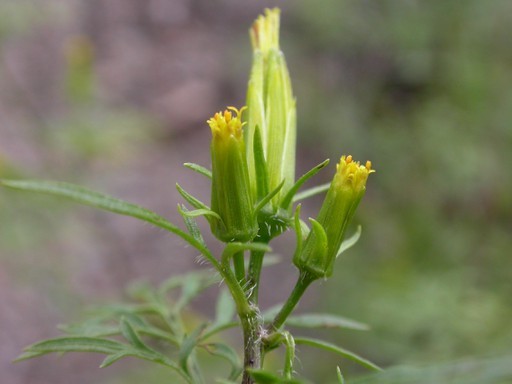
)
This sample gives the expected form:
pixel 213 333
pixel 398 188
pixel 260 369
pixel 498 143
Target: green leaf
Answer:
pixel 476 370
pixel 131 335
pixel 350 242
pixel 72 344
pixel 228 353
pixel 188 345
pixel 226 309
pixel 338 350
pixel 288 198
pixel 298 231
pixel 264 377
pixel 268 197
pixel 341 380
pixel 321 320
pixel 311 192
pixel 199 169
pixel 108 203
pixel 196 203
pixel 191 224
pixel 111 359
pixel 190 288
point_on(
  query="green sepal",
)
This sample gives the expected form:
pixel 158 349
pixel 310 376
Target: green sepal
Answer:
pixel 314 253
pixel 199 169
pixel 288 198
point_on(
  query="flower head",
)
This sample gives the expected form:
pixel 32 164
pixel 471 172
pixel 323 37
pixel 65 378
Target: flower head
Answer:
pixel 321 247
pixel 231 194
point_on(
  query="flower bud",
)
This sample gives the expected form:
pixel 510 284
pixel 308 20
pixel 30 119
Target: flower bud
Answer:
pixel 231 197
pixel 271 107
pixel 321 247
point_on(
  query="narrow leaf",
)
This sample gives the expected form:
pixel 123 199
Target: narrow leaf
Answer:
pixel 202 212
pixel 226 309
pixel 321 320
pixel 191 224
pixel 196 203
pixel 131 335
pixel 298 231
pixel 288 198
pixel 267 198
pixel 341 380
pixel 199 169
pixel 350 242
pixel 264 377
pixel 105 202
pixel 228 353
pixel 311 192
pixel 111 359
pixel 338 350
pixel 188 345
pixel 72 344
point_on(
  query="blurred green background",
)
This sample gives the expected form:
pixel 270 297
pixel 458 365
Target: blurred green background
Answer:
pixel 114 95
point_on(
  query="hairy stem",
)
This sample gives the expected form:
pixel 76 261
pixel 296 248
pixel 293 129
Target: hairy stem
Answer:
pixel 239 265
pixel 251 325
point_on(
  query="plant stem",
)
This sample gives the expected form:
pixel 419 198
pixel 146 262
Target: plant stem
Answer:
pixel 254 271
pixel 305 279
pixel 251 325
pixel 238 263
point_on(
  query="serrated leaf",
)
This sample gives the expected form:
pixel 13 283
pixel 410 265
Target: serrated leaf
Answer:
pixel 199 169
pixel 225 309
pixel 107 203
pixel 311 192
pixel 72 344
pixel 338 350
pixel 288 198
pixel 350 242
pixel 323 320
pixel 228 353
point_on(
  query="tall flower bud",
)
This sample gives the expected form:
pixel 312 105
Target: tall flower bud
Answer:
pixel 231 197
pixel 321 247
pixel 271 107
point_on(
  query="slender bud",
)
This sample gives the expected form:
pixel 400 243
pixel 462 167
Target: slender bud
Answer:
pixel 321 247
pixel 271 107
pixel 231 197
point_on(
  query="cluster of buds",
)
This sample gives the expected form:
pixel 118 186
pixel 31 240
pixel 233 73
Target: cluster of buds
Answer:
pixel 253 164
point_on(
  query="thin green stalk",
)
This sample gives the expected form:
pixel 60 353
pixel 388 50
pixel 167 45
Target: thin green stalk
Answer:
pixel 239 264
pixel 254 271
pixel 305 279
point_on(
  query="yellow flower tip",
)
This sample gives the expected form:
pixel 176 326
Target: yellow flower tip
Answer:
pixel 352 174
pixel 227 123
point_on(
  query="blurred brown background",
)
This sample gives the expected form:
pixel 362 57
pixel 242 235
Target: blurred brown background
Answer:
pixel 114 94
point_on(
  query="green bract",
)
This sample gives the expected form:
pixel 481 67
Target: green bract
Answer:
pixel 323 242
